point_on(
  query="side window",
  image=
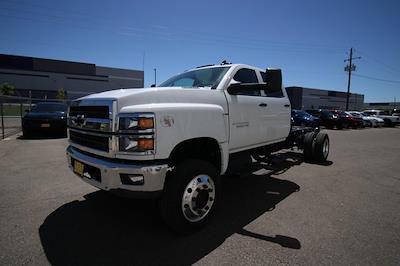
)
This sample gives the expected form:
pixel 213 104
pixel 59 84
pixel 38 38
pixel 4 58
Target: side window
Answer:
pixel 245 76
pixel 269 91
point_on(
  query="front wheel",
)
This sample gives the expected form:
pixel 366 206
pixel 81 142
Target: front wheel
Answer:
pixel 190 196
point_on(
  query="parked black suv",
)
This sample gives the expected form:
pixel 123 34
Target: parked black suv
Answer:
pixel 45 117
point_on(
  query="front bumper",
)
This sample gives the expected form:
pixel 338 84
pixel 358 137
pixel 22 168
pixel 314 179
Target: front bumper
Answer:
pixel 111 172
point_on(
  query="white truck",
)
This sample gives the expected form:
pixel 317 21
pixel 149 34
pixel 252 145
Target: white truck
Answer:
pixel 174 141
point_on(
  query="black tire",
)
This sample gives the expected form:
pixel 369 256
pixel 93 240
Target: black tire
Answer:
pixel 26 134
pixel 308 146
pixel 340 126
pixel 388 123
pixel 172 203
pixel 320 147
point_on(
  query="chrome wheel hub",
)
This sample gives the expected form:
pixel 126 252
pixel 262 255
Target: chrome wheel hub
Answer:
pixel 198 198
pixel 325 148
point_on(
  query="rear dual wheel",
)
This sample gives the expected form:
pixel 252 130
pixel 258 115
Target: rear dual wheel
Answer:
pixel 316 146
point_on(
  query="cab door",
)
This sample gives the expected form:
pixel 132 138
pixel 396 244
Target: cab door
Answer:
pixel 248 118
pixel 278 111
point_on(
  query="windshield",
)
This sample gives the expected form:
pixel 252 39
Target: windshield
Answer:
pixel 206 77
pixel 49 108
pixel 370 113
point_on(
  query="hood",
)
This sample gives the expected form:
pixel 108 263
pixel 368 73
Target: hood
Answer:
pixel 121 93
pixel 129 97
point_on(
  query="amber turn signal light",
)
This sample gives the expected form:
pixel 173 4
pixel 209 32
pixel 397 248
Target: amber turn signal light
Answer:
pixel 145 123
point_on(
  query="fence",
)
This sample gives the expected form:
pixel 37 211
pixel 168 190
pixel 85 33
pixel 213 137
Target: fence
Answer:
pixel 13 109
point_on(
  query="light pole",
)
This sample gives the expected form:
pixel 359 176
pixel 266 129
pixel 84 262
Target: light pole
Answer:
pixel 155 76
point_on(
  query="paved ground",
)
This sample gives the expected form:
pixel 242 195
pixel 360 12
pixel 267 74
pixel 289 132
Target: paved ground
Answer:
pixel 11 126
pixel 343 213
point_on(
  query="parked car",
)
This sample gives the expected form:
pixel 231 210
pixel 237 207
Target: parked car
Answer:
pixel 348 121
pixel 45 117
pixel 304 119
pixel 366 122
pixel 396 112
pixel 369 121
pixel 327 118
pixel 390 120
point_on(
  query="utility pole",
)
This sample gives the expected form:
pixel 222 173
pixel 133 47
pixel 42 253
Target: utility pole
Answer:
pixel 350 67
pixel 143 56
pixel 155 76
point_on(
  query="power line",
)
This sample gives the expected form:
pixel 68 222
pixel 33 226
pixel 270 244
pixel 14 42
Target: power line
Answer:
pixel 389 67
pixel 182 37
pixel 377 79
pixel 248 43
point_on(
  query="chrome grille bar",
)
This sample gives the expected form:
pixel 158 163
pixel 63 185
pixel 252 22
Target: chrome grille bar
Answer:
pixel 91 124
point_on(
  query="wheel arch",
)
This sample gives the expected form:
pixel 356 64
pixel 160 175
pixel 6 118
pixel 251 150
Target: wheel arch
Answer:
pixel 203 148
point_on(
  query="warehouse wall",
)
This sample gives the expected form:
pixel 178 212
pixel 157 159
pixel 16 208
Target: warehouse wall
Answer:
pixel 44 76
pixel 323 99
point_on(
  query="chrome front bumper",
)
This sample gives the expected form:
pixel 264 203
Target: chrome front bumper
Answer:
pixel 111 170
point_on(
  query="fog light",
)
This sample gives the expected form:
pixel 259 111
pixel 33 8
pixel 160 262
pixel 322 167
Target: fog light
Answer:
pixel 132 179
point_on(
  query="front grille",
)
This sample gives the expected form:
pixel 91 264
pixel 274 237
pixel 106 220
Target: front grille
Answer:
pixel 91 141
pixel 92 111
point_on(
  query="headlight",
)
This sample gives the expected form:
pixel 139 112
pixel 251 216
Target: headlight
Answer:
pixel 136 122
pixel 136 144
pixel 137 133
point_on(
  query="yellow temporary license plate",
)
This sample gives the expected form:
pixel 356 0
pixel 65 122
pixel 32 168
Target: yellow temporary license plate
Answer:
pixel 78 168
pixel 45 125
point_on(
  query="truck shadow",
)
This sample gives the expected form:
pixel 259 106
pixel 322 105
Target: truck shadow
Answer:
pixel 104 229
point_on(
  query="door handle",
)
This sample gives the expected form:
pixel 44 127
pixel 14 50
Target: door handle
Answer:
pixel 263 105
pixel 287 105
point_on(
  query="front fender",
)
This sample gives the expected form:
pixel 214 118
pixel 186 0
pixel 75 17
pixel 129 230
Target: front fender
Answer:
pixel 177 122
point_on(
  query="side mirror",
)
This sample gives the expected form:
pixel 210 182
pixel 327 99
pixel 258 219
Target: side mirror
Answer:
pixel 274 79
pixel 153 85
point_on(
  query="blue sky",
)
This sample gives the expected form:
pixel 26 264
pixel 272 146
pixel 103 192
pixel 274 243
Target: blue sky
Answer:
pixel 307 39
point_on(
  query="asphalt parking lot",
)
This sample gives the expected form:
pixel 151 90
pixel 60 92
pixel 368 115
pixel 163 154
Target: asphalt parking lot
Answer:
pixel 344 212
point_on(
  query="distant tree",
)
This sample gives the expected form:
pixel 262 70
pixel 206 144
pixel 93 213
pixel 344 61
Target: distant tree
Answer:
pixel 61 95
pixel 6 89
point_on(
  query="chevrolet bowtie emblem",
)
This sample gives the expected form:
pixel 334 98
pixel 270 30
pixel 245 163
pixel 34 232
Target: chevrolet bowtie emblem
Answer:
pixel 80 120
